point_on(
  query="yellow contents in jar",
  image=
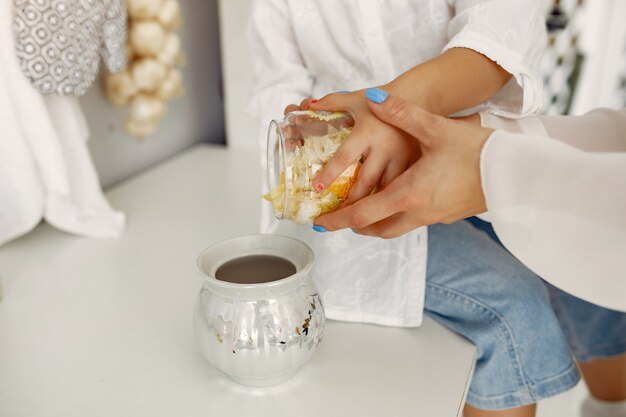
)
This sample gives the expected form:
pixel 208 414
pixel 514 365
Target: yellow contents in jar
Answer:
pixel 294 196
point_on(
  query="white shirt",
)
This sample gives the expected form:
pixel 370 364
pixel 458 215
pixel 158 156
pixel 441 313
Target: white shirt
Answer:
pixel 556 193
pixel 311 48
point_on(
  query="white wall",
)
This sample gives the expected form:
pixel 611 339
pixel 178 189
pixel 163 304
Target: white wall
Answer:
pixel 197 117
pixel 241 128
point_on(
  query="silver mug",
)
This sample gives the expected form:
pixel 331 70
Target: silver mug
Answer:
pixel 258 334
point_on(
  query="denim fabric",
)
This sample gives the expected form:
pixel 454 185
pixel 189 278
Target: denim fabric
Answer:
pixel 591 331
pixel 480 291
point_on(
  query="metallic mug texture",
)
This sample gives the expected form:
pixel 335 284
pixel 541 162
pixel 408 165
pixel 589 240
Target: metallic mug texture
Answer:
pixel 258 334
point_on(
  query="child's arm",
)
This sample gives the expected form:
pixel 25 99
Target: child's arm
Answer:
pixel 455 80
pixel 490 41
pixel 487 40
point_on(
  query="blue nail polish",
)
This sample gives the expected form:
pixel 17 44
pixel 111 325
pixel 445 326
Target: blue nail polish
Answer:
pixel 342 92
pixel 376 95
pixel 320 229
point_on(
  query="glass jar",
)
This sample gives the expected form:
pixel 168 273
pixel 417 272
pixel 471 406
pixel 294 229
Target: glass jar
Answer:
pixel 297 148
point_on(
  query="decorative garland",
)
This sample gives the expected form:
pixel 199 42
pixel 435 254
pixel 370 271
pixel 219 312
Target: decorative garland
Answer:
pixel 152 77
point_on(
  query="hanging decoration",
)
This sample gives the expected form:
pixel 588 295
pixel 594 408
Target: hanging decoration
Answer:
pixel 153 76
pixel 59 43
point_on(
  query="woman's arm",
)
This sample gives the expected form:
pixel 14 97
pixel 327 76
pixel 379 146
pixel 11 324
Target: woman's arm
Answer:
pixel 559 204
pixel 560 209
pixel 581 132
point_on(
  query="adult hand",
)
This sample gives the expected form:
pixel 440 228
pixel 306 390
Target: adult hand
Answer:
pixel 386 150
pixel 443 186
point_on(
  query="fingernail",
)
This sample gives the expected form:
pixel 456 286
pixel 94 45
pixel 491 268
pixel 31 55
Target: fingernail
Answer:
pixel 354 231
pixel 319 186
pixel 319 228
pixel 313 101
pixel 342 92
pixel 376 95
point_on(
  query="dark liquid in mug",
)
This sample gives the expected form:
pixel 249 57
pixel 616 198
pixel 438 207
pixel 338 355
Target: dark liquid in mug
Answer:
pixel 255 269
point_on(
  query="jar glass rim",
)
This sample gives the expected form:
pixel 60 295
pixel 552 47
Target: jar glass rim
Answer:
pixel 274 170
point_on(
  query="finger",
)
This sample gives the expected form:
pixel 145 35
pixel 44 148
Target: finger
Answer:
pixel 364 212
pixel 304 104
pixel 406 116
pixel 292 136
pixel 331 102
pixel 367 179
pixel 392 171
pixel 348 152
pixel 392 227
pixel 290 108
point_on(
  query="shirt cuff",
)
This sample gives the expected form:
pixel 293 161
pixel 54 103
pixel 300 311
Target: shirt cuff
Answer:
pixel 531 125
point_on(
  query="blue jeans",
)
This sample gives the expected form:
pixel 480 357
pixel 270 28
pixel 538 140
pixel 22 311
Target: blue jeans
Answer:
pixel 479 290
pixel 591 331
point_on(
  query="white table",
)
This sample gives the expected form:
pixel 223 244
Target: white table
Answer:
pixel 93 328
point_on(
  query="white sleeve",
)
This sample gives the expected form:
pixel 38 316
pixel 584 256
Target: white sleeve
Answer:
pixel 511 33
pixel 280 75
pixel 558 203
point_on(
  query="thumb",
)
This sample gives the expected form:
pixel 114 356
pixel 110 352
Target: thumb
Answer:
pixel 405 115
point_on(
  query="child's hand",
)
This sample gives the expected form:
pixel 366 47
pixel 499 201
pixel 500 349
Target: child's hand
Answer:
pixel 443 186
pixel 304 105
pixel 301 127
pixel 387 151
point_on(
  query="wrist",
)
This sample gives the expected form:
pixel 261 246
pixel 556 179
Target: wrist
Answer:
pixel 420 94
